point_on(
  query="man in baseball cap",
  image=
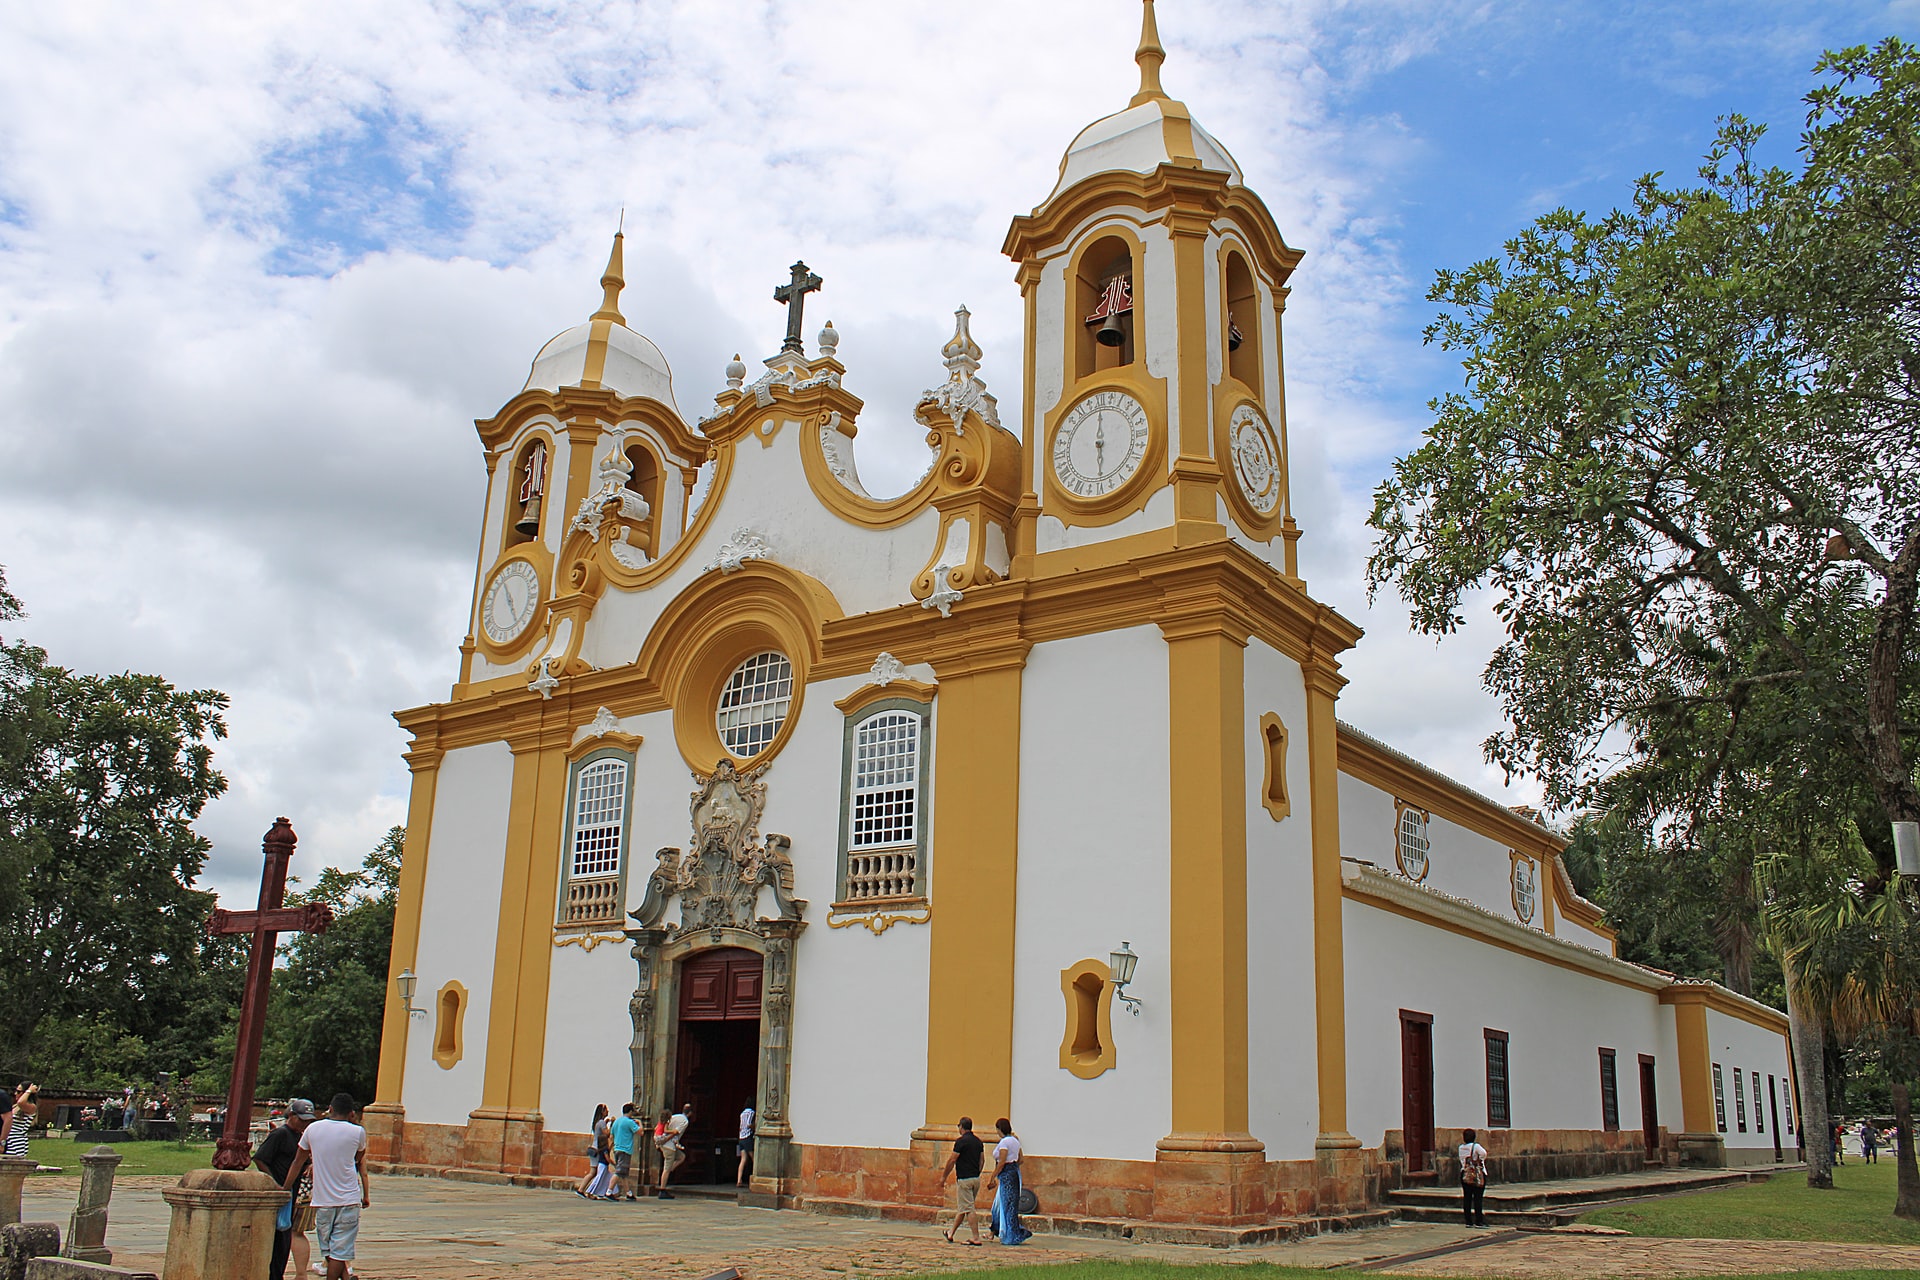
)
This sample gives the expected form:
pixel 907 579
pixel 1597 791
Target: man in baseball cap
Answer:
pixel 274 1157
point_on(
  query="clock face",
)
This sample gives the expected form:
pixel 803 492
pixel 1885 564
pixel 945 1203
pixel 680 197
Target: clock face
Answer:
pixel 1256 459
pixel 510 601
pixel 1100 444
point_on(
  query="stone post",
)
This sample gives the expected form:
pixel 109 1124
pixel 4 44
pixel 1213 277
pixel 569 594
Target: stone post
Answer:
pixel 13 1175
pixel 21 1242
pixel 87 1232
pixel 222 1225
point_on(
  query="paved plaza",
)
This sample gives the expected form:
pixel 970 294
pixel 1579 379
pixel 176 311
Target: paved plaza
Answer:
pixel 429 1229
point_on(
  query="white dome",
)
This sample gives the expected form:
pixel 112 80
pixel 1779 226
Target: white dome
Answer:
pixel 1140 140
pixel 632 365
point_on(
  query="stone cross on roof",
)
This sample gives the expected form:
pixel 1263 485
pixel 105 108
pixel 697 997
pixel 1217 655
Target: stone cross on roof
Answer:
pixel 794 295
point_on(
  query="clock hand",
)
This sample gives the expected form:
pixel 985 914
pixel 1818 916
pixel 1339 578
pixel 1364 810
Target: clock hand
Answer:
pixel 1099 447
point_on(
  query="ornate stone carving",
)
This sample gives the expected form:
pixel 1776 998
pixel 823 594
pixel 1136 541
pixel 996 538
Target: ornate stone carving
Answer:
pixel 542 681
pixel 743 546
pixel 963 390
pixel 611 491
pixel 886 669
pixel 719 881
pixel 944 595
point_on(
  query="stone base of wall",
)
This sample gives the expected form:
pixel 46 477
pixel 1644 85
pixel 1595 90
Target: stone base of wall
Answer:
pixel 1238 1196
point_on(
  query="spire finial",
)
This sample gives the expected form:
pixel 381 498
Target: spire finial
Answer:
pixel 1149 55
pixel 614 280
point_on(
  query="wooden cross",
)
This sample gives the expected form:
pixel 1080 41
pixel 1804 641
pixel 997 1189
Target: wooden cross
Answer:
pixel 265 924
pixel 794 295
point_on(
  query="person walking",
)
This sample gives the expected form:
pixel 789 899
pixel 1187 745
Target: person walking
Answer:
pixel 1839 1142
pixel 1869 1142
pixel 669 1141
pixel 26 1107
pixel 625 1130
pixel 274 1157
pixel 964 1167
pixel 337 1150
pixel 1006 1176
pixel 601 1185
pixel 1473 1180
pixel 746 1145
pixel 592 1174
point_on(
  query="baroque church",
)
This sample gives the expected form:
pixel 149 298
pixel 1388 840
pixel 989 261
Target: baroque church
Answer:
pixel 1022 793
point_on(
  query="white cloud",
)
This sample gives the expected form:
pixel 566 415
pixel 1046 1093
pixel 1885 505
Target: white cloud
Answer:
pixel 261 269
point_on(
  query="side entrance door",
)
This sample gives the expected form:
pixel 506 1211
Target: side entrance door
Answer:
pixel 1649 1108
pixel 1416 1088
pixel 718 1064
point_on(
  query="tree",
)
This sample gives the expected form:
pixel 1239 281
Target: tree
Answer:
pixel 1687 460
pixel 101 778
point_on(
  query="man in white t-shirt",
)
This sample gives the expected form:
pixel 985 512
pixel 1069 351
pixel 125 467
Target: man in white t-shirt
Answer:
pixel 337 1149
pixel 671 1152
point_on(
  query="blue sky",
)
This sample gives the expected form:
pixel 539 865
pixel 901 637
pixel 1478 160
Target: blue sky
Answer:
pixel 258 280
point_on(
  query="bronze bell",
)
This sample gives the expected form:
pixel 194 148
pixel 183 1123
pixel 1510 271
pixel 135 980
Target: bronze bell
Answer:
pixel 529 521
pixel 1110 333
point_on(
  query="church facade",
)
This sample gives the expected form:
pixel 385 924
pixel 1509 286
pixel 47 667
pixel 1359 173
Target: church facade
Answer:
pixel 1022 793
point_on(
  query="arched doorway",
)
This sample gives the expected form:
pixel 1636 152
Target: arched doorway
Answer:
pixel 717 1056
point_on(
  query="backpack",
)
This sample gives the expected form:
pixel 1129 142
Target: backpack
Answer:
pixel 1473 1167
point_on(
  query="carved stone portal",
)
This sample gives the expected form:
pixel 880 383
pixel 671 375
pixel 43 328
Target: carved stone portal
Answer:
pixel 718 884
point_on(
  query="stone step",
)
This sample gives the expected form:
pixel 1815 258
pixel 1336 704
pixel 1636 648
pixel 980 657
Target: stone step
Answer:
pixel 1522 1197
pixel 1274 1231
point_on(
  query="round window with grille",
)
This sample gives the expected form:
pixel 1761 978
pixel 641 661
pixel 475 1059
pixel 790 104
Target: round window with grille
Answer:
pixel 754 704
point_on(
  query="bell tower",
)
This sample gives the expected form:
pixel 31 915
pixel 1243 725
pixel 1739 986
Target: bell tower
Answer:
pixel 1154 284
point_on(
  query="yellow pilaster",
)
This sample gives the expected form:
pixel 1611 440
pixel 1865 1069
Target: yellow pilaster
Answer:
pixel 424 762
pixel 1323 681
pixel 1696 1066
pixel 1196 473
pixel 523 941
pixel 976 763
pixel 1207 889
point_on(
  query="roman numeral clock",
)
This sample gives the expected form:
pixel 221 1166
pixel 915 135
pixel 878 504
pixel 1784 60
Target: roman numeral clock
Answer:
pixel 1100 444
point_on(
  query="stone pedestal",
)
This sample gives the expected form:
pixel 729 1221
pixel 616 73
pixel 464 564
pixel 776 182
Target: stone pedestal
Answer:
pixel 1212 1179
pixel 222 1225
pixel 13 1176
pixel 503 1141
pixel 386 1125
pixel 1703 1150
pixel 87 1232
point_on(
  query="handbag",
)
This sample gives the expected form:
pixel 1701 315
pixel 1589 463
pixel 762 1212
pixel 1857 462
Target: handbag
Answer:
pixel 283 1221
pixel 1473 1170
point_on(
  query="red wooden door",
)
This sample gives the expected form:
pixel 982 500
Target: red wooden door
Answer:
pixel 1416 1088
pixel 718 1063
pixel 1649 1108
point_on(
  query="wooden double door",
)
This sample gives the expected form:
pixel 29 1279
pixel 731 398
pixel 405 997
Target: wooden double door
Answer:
pixel 717 1064
pixel 1416 1089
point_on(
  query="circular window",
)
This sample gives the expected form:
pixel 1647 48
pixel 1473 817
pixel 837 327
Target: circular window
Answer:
pixel 754 704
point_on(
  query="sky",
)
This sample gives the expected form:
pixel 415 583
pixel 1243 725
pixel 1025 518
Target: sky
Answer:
pixel 261 266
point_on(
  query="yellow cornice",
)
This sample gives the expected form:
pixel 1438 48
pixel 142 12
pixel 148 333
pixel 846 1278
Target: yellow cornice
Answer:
pixel 868 694
pixel 570 403
pixel 1720 1000
pixel 628 742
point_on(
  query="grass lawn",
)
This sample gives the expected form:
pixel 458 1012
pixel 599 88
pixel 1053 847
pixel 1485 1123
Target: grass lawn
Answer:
pixel 137 1157
pixel 1859 1210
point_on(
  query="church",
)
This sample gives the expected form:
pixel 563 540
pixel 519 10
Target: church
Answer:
pixel 1021 793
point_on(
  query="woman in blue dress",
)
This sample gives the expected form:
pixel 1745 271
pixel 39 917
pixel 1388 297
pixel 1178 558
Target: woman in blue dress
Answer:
pixel 1006 1176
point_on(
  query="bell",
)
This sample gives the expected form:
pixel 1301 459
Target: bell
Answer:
pixel 1110 333
pixel 529 521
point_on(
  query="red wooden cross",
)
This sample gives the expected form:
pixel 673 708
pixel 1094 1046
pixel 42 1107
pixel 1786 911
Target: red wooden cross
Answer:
pixel 265 925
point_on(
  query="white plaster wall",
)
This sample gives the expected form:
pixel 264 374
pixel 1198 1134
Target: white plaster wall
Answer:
pixel 459 923
pixel 1055 535
pixel 1282 1079
pixel 1557 1019
pixel 1733 1043
pixel 1093 872
pixel 1575 932
pixel 1459 861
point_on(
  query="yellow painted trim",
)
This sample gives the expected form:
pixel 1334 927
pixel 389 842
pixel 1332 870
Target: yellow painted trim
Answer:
pixel 1207 891
pixel 878 916
pixel 534 553
pixel 1083 1062
pixel 424 761
pixel 585 941
pixel 1323 684
pixel 1229 396
pixel 1711 995
pixel 1696 1068
pixel 514 451
pixel 599 404
pixel 1273 746
pixel 628 742
pixel 1436 794
pixel 976 831
pixel 1514 859
pixel 868 694
pixel 445 1054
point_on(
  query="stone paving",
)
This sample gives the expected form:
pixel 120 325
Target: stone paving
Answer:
pixel 429 1229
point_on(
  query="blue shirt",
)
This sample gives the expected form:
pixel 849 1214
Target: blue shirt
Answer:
pixel 623 1130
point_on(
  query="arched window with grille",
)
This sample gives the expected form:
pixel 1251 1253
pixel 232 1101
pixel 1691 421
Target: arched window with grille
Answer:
pixel 884 814
pixel 596 841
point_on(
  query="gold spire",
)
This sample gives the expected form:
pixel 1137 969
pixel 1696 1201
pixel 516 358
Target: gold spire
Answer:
pixel 1149 55
pixel 611 284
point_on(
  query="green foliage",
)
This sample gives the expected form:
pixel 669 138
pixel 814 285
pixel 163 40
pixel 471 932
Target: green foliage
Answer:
pixel 101 778
pixel 1687 462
